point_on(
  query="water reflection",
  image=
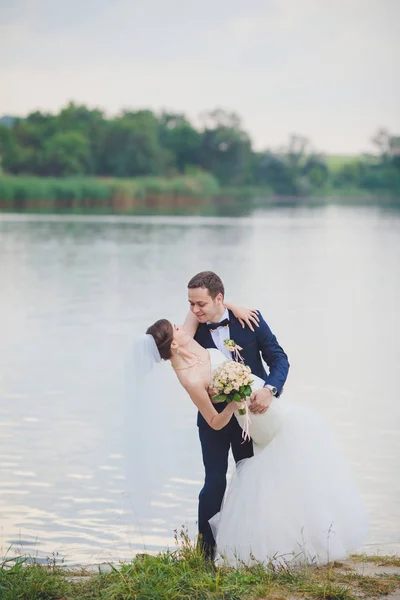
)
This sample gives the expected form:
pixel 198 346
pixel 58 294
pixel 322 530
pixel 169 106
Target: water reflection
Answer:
pixel 74 291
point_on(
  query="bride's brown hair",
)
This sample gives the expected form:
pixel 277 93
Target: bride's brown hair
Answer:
pixel 163 334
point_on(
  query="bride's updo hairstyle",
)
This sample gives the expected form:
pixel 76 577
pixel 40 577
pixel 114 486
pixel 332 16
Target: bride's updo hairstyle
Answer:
pixel 163 334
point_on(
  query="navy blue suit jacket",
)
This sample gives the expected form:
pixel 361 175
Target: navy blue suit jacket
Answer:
pixel 255 344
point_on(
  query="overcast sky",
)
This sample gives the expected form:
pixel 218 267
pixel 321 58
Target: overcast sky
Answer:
pixel 327 69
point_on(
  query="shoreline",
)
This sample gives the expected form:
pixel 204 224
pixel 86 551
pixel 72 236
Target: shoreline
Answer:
pixel 184 574
pixel 200 193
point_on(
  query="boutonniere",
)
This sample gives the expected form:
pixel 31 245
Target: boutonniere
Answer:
pixel 233 347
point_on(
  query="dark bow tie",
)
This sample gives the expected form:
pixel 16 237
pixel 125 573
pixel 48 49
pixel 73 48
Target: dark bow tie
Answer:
pixel 214 326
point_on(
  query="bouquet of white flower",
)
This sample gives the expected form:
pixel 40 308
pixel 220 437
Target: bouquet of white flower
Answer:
pixel 232 381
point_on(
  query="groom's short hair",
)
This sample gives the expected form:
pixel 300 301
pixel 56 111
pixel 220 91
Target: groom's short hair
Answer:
pixel 209 281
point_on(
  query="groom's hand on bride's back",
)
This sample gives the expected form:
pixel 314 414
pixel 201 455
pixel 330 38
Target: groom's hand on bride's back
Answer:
pixel 260 401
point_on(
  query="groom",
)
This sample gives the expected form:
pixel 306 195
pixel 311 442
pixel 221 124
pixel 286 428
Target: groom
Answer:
pixel 216 324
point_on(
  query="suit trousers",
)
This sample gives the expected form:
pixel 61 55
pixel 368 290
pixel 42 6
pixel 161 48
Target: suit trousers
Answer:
pixel 215 447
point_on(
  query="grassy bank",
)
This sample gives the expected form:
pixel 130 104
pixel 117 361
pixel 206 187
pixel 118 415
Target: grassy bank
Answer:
pixel 84 194
pixel 184 575
pixel 190 194
pixel 335 162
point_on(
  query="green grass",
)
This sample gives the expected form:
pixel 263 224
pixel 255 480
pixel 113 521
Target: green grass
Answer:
pixel 20 580
pixel 336 161
pixel 185 575
pixel 103 195
pixel 197 193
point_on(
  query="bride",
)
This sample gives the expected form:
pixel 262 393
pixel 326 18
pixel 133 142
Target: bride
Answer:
pixel 295 498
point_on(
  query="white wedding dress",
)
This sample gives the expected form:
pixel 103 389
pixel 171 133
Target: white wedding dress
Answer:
pixel 294 500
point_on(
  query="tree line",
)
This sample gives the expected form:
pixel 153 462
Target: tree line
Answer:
pixel 79 141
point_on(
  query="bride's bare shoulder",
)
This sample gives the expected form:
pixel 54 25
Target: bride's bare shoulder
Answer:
pixel 195 381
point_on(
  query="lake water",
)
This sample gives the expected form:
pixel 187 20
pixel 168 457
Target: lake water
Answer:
pixel 74 291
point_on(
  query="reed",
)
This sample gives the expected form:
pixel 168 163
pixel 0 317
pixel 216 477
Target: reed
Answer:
pixel 102 195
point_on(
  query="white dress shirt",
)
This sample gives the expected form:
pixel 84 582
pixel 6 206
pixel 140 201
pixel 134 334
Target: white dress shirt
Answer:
pixel 221 334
